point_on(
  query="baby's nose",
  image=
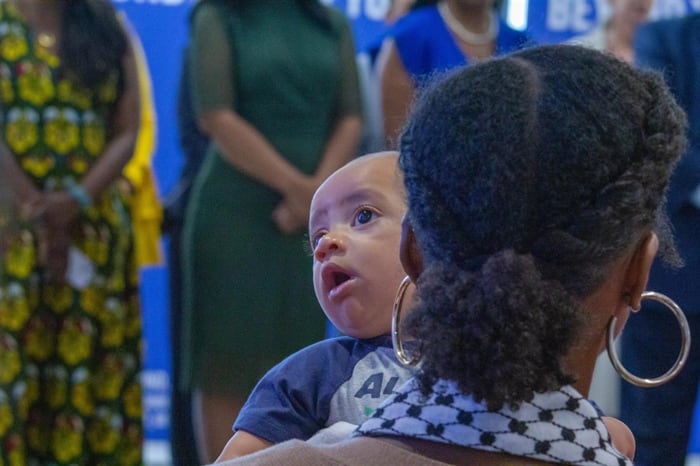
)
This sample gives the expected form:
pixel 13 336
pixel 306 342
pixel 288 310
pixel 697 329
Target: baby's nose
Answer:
pixel 327 246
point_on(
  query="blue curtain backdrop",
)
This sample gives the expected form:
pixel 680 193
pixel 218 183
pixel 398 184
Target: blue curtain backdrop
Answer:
pixel 162 27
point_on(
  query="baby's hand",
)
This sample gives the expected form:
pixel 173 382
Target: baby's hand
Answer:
pixel 621 436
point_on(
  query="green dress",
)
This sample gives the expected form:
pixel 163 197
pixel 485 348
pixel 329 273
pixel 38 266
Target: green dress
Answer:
pixel 248 292
pixel 69 354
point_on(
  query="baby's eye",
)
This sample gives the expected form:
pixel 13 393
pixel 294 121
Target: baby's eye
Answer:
pixel 364 216
pixel 315 239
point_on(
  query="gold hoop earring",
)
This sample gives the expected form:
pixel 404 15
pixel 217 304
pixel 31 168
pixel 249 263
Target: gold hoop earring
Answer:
pixel 682 355
pixel 399 351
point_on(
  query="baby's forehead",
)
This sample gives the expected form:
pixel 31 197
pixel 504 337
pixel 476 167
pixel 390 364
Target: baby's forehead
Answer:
pixel 347 196
pixel 380 161
pixel 373 180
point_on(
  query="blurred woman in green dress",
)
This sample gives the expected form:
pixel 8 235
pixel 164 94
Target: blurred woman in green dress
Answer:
pixel 276 88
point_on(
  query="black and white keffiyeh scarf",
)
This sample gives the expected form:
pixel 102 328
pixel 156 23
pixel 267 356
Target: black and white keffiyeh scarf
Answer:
pixel 558 427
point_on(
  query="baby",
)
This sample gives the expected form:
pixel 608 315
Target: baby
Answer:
pixel 354 231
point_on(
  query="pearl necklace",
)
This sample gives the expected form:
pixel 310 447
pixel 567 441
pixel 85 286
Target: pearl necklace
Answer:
pixel 465 34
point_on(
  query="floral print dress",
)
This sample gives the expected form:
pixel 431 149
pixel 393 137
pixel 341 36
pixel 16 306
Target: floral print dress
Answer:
pixel 70 355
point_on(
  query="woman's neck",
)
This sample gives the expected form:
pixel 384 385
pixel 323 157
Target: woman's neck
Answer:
pixel 618 39
pixel 474 28
pixel 582 356
pixel 476 18
pixel 45 15
pixel 581 361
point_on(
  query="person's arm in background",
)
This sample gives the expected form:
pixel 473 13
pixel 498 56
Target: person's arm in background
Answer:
pixel 119 149
pixel 396 89
pixel 341 147
pixel 241 144
pixel 59 210
pixel 22 191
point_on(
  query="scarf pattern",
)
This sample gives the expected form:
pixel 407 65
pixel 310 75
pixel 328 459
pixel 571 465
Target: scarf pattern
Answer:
pixel 559 426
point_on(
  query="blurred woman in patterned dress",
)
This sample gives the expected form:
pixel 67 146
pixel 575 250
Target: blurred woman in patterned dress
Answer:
pixel 69 315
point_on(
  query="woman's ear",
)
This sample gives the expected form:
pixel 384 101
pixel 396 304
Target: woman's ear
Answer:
pixel 637 274
pixel 409 253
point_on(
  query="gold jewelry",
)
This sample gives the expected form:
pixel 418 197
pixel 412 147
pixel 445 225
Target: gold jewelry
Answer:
pixel 399 351
pixel 474 38
pixel 46 39
pixel 682 355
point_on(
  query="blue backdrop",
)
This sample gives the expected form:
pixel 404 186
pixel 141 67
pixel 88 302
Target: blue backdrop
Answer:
pixel 557 20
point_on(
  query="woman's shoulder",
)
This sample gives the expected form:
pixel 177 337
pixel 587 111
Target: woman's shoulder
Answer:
pixel 419 31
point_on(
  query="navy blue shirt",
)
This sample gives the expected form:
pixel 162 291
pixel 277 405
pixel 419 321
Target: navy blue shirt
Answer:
pixel 340 379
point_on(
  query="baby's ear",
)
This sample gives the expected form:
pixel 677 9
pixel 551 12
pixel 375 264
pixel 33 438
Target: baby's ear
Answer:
pixel 409 253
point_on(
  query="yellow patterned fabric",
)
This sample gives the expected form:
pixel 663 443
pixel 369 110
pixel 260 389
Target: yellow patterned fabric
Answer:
pixel 70 355
pixel 146 210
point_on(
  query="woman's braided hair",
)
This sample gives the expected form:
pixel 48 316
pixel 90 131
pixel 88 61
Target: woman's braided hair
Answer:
pixel 526 176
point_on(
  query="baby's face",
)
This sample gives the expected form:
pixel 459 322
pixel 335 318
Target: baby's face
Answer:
pixel 355 229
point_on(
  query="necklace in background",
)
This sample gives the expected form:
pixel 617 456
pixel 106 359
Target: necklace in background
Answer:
pixel 474 38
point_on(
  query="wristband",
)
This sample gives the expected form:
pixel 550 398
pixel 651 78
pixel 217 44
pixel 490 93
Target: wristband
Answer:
pixel 80 194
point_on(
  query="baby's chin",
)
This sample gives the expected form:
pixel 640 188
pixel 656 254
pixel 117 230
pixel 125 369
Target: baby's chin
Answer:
pixel 361 332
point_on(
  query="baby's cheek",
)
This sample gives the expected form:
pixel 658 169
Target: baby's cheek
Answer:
pixel 317 285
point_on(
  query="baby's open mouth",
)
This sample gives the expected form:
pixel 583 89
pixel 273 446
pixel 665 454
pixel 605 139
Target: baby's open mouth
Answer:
pixel 336 280
pixel 339 278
